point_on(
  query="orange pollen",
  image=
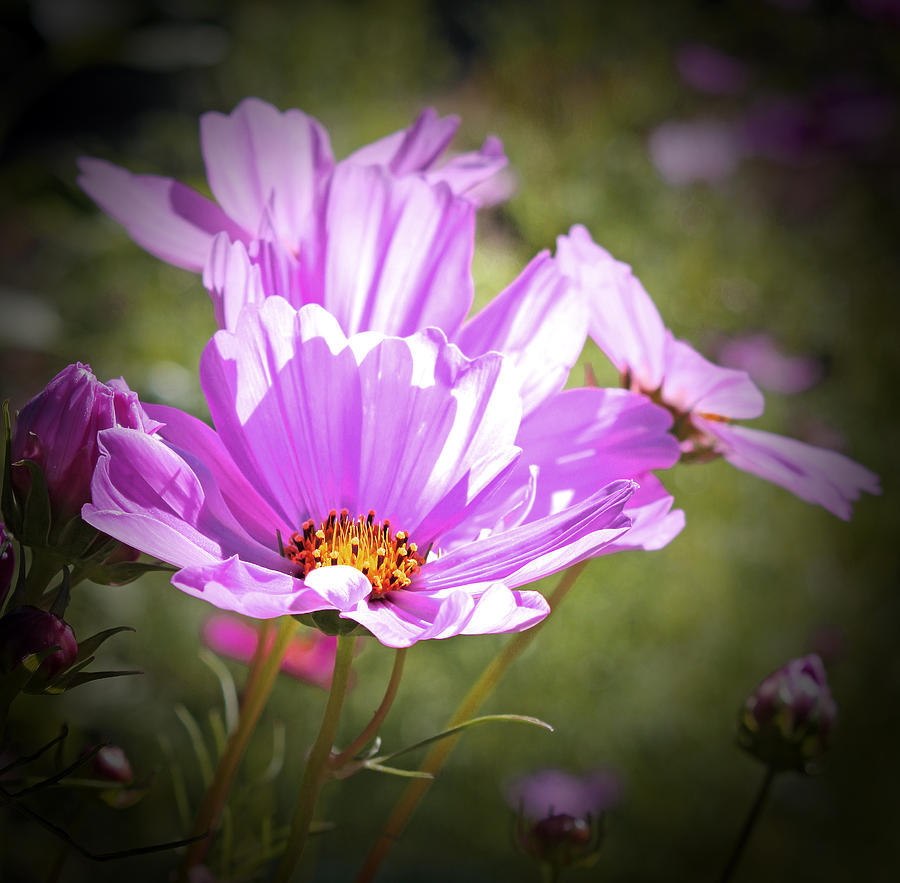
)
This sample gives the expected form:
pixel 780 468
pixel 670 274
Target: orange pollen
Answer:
pixel 388 560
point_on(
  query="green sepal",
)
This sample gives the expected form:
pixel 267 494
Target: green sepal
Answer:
pixel 11 516
pixel 36 517
pixel 89 646
pixel 85 677
pixel 330 623
pixel 124 572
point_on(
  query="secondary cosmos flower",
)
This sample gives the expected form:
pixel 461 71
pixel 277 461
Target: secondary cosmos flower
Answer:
pixel 271 169
pixel 703 398
pixel 309 656
pixel 341 476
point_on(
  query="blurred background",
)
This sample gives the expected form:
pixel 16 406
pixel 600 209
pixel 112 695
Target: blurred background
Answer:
pixel 741 156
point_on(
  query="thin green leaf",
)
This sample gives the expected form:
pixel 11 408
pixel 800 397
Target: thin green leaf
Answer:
pixel 196 737
pixel 484 719
pixel 85 677
pixel 393 771
pixel 11 517
pixel 226 682
pixel 179 787
pixel 88 646
pixel 124 572
pixel 53 780
pixel 217 725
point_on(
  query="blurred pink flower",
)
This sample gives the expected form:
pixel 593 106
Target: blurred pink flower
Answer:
pixel 309 656
pixel 705 149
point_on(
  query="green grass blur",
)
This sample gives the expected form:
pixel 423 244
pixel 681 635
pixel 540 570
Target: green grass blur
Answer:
pixel 646 664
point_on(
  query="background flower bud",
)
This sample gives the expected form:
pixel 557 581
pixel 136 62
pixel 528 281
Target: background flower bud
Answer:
pixel 57 430
pixel 787 719
pixel 560 820
pixel 111 764
pixel 26 631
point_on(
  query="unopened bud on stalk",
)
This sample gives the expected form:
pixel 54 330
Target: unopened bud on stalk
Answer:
pixel 788 718
pixel 28 632
pixel 111 765
pixel 560 818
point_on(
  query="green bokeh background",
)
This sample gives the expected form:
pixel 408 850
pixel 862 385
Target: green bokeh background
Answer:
pixel 646 664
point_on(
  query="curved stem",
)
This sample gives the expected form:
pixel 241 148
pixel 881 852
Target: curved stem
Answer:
pixel 748 825
pixel 371 730
pixel 316 770
pixel 255 696
pixel 440 751
pixel 256 663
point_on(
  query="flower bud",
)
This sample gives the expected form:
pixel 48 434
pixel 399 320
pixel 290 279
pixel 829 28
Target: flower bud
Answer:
pixel 7 564
pixel 27 631
pixel 787 719
pixel 560 817
pixel 57 432
pixel 111 765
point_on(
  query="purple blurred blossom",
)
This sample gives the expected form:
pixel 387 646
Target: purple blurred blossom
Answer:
pixel 309 421
pixel 705 399
pixel 706 149
pixel 787 719
pixel 708 69
pixel 760 356
pixel 271 169
pixel 879 10
pixel 309 657
pixel 551 791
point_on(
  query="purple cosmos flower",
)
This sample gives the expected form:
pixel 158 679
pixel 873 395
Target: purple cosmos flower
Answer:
pixel 560 819
pixel 272 169
pixel 309 657
pixel 57 430
pixel 760 356
pixel 703 398
pixel 394 257
pixel 363 460
pixel 787 719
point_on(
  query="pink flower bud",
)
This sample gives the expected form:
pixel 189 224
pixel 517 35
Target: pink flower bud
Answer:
pixel 58 430
pixel 560 822
pixel 111 764
pixel 26 631
pixel 787 719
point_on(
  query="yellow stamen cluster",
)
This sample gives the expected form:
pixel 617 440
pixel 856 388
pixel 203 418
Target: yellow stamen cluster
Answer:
pixel 388 560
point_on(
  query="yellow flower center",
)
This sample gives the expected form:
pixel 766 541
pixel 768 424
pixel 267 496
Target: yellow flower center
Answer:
pixel 388 560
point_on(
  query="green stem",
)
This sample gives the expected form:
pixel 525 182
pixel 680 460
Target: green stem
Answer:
pixel 371 730
pixel 251 709
pixel 317 763
pixel 468 708
pixel 749 823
